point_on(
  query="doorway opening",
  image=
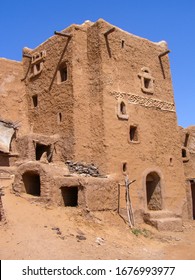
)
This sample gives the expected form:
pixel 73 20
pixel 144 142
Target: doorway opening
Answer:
pixel 153 191
pixel 193 199
pixel 32 183
pixel 70 196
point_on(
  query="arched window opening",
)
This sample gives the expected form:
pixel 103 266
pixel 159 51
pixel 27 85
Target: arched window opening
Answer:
pixel 122 108
pixel 122 113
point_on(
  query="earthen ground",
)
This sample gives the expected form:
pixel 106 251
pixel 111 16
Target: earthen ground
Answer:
pixel 36 231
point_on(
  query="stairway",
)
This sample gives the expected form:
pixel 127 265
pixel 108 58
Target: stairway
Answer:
pixel 163 220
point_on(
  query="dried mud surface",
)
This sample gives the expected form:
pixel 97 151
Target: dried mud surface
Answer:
pixel 36 231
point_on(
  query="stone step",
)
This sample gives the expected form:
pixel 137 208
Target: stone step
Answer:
pixel 166 224
pixel 159 214
pixel 163 220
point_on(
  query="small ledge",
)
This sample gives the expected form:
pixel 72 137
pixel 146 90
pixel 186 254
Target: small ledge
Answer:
pixel 10 154
pixel 134 142
pixel 185 159
pixel 123 117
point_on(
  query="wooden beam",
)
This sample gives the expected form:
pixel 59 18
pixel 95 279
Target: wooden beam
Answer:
pixel 27 55
pixel 109 31
pixel 164 53
pixel 63 34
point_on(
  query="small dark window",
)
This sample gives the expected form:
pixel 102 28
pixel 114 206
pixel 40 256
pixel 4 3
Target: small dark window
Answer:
pixel 122 44
pixel 63 74
pixel 133 133
pixel 38 67
pixel 40 149
pixel 35 100
pixel 124 167
pixel 122 108
pixel 170 161
pixel 184 154
pixel 193 199
pixel 186 140
pixel 70 196
pixel 59 118
pixel 147 83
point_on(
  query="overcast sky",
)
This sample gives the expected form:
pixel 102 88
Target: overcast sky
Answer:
pixel 29 23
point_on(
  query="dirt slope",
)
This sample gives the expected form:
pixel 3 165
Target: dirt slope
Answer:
pixel 36 231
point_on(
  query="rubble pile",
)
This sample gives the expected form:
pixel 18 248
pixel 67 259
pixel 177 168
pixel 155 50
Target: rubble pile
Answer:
pixel 83 168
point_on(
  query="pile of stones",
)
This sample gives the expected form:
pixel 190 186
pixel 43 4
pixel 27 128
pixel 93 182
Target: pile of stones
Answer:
pixel 83 168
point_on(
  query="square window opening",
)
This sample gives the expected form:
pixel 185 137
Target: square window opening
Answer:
pixel 70 196
pixel 41 149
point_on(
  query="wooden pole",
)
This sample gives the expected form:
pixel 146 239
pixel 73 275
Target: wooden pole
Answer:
pixel 128 202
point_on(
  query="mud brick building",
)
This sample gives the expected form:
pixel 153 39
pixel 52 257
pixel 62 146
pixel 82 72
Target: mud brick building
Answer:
pixel 85 109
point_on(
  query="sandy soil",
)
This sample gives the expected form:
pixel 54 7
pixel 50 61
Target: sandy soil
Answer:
pixel 36 231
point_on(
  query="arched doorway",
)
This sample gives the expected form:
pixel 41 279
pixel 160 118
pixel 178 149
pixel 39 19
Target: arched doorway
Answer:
pixel 153 191
pixel 31 182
